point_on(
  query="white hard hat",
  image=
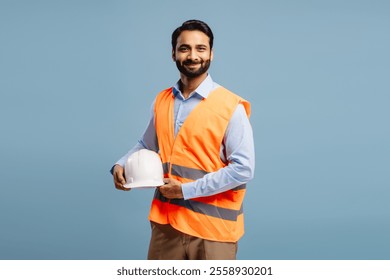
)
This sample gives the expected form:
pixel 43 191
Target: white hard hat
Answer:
pixel 144 169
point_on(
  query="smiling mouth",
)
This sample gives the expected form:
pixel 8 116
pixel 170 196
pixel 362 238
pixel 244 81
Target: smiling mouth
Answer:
pixel 192 65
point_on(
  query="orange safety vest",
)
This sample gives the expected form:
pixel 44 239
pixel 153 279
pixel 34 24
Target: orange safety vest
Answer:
pixel 193 153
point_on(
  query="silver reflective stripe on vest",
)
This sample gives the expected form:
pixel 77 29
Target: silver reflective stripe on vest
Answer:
pixel 203 208
pixel 166 167
pixel 187 172
pixel 184 172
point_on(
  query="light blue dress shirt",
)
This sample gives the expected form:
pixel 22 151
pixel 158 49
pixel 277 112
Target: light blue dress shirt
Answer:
pixel 237 149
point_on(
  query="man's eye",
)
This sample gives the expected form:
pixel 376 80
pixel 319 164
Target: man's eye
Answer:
pixel 183 49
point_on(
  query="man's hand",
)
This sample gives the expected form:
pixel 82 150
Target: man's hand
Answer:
pixel 171 189
pixel 119 177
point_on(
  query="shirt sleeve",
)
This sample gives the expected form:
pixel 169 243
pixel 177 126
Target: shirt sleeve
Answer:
pixel 147 141
pixel 240 155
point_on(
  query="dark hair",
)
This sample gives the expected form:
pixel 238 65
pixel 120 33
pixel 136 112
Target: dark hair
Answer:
pixel 193 24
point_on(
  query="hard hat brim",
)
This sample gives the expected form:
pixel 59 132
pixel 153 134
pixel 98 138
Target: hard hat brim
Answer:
pixel 144 184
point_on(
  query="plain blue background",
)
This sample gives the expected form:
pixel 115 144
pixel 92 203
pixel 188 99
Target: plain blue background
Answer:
pixel 77 79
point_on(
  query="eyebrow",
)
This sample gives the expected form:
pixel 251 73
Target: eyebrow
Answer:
pixel 188 46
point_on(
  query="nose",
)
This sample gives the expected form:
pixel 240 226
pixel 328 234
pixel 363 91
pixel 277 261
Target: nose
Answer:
pixel 192 55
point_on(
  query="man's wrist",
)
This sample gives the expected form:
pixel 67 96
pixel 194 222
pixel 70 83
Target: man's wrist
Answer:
pixel 113 167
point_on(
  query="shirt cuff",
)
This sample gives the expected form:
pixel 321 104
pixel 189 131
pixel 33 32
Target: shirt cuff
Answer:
pixel 188 190
pixel 121 162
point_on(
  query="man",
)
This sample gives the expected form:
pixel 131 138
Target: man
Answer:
pixel 203 136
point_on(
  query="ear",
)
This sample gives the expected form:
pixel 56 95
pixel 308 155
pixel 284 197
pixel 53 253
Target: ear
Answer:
pixel 211 54
pixel 173 55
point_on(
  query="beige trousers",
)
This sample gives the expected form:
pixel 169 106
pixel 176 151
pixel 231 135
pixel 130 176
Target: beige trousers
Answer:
pixel 168 243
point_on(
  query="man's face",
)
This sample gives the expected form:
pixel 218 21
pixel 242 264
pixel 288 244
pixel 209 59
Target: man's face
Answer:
pixel 192 54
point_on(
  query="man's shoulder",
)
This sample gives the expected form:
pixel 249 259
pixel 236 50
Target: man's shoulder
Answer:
pixel 224 92
pixel 226 98
pixel 166 90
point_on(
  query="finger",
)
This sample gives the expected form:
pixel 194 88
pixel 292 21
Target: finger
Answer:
pixel 166 180
pixel 119 183
pixel 163 190
pixel 121 187
pixel 121 179
pixel 118 178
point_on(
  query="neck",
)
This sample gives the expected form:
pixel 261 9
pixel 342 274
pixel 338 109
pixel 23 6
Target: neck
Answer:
pixel 189 85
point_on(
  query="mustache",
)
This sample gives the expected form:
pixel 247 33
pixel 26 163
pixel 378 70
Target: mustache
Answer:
pixel 192 62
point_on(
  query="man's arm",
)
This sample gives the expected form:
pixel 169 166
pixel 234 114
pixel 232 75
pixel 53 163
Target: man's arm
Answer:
pixel 240 155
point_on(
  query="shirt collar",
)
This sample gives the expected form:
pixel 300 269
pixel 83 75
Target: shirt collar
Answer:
pixel 203 89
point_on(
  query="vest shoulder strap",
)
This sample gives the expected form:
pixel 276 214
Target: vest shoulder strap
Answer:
pixel 222 98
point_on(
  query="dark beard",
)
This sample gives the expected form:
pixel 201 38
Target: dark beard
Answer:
pixel 204 66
